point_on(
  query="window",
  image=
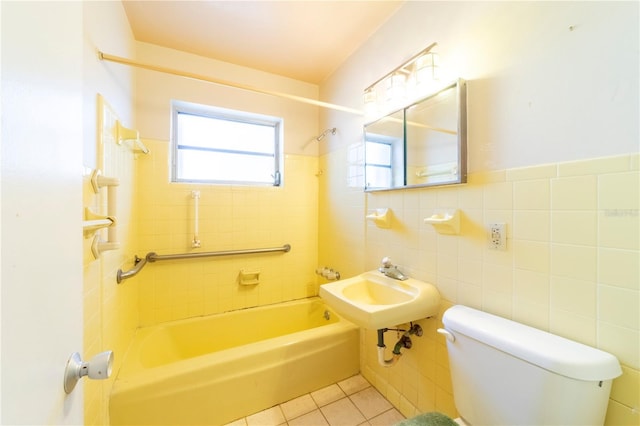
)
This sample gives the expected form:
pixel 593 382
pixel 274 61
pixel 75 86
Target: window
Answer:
pixel 215 145
pixel 378 160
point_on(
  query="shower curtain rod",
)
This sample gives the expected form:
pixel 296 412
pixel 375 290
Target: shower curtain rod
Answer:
pixel 124 61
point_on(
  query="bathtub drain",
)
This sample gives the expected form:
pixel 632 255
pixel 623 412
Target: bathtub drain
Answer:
pixel 327 315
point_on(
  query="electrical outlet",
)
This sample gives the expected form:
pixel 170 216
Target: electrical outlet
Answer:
pixel 497 236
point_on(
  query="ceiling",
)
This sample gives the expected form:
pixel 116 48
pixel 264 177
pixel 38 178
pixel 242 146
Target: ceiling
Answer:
pixel 304 40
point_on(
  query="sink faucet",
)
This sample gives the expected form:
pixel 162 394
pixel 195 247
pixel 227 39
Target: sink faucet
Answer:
pixel 391 271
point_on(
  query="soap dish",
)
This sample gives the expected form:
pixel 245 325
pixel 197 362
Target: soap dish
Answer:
pixel 381 217
pixel 248 277
pixel 445 222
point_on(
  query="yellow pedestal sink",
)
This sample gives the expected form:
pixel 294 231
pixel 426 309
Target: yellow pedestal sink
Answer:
pixel 373 300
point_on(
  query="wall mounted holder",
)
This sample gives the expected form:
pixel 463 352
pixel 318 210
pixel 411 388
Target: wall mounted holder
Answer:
pixel 98 246
pixel 93 222
pixel 195 243
pixel 248 277
pixel 99 181
pixel 125 134
pixel 447 223
pixel 380 217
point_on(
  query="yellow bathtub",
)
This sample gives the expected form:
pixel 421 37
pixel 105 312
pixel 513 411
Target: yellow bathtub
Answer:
pixel 213 370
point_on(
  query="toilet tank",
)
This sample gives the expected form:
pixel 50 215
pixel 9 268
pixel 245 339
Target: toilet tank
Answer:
pixel 507 373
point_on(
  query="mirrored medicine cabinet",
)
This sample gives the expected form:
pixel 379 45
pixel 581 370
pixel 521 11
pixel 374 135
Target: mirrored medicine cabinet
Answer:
pixel 423 144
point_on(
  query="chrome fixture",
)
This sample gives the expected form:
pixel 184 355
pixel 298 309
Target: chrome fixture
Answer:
pixel 328 273
pixel 415 78
pixel 403 342
pixel 323 134
pixel 99 368
pixel 391 271
pixel 138 264
pixel 154 257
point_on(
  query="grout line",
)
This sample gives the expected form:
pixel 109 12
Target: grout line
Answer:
pixel 319 408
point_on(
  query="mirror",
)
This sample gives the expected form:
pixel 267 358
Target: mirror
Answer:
pixel 384 152
pixel 424 144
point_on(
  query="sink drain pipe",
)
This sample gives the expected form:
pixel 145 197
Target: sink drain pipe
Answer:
pixel 404 341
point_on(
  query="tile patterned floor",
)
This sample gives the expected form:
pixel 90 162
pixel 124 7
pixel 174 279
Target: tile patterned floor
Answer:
pixel 351 402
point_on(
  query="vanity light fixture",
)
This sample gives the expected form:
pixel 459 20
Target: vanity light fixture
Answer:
pixel 410 82
pixel 370 102
pixel 426 71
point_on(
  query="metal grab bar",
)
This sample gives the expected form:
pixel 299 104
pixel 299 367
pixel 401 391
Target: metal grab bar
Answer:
pixel 138 265
pixel 153 257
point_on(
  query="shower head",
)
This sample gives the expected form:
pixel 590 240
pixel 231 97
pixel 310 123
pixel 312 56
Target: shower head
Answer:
pixel 320 136
pixel 323 134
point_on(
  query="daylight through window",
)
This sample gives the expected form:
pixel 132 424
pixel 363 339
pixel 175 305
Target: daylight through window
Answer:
pixel 378 160
pixel 214 145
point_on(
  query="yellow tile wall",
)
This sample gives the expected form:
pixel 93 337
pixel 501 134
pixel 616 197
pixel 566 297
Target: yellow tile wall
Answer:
pixel 110 310
pixel 230 218
pixel 572 265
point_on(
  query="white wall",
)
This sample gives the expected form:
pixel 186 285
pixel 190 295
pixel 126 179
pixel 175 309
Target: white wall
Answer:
pixel 548 81
pixel 41 209
pixel 538 93
pixel 50 78
pixel 106 29
pixel 155 90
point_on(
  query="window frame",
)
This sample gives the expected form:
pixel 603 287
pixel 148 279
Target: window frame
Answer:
pixel 219 113
pixel 380 140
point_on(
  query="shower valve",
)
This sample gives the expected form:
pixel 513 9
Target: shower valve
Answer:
pixel 328 273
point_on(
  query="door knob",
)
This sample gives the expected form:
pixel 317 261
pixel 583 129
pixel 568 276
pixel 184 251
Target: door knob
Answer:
pixel 98 368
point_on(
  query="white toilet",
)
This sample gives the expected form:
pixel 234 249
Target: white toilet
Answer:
pixel 506 373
